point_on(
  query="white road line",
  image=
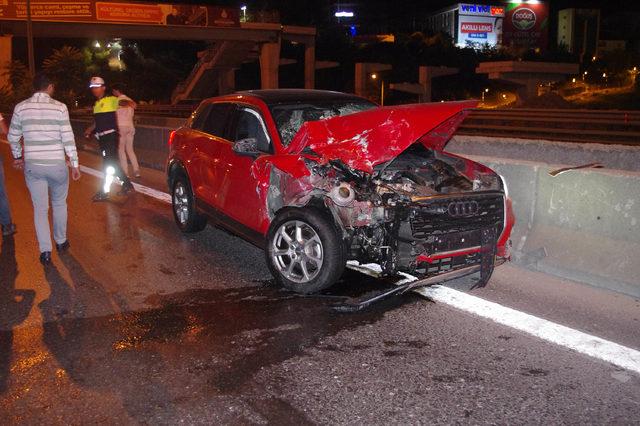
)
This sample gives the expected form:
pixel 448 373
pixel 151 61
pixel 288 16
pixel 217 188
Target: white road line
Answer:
pixel 578 341
pixel 154 193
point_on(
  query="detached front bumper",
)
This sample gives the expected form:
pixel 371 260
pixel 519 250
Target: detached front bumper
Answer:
pixel 466 260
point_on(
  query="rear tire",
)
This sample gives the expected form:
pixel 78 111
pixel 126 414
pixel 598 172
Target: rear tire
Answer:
pixel 184 209
pixel 304 251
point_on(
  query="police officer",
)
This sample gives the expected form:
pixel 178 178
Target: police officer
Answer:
pixel 105 130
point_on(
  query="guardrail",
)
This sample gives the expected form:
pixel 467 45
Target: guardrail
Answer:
pixel 590 126
pixel 580 126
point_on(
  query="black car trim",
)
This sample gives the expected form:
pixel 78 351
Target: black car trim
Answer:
pixel 232 225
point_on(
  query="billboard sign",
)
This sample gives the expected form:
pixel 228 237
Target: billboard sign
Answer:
pixel 526 25
pixel 480 10
pixel 119 12
pixel 479 25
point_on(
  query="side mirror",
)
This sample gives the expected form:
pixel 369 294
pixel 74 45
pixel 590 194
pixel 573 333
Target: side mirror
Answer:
pixel 247 147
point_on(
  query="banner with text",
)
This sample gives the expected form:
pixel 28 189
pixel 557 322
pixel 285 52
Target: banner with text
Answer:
pixel 526 25
pixel 93 11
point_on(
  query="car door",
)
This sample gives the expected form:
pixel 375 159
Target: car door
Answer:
pixel 209 137
pixel 238 191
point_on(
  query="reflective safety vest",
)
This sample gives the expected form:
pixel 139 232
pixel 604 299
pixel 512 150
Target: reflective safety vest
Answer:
pixel 104 112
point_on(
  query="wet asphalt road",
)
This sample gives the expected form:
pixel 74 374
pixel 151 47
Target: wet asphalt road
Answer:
pixel 140 324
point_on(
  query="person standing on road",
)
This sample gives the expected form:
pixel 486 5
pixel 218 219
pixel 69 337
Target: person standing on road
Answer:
pixel 126 129
pixel 8 227
pixel 43 125
pixel 105 130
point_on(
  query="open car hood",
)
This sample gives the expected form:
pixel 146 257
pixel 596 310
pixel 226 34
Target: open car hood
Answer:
pixel 366 139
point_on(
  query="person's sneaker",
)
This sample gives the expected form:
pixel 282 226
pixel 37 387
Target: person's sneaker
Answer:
pixel 8 230
pixel 45 258
pixel 100 196
pixel 126 189
pixel 61 248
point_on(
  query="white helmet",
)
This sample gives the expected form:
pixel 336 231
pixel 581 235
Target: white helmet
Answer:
pixel 96 82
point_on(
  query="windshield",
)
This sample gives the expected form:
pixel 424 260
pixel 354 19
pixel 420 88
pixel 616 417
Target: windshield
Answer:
pixel 290 117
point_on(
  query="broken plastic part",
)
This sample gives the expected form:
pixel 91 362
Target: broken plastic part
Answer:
pixel 369 138
pixel 555 173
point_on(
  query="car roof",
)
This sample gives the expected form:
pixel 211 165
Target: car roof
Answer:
pixel 279 96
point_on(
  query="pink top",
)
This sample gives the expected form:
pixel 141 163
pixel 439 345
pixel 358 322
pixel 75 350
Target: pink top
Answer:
pixel 125 114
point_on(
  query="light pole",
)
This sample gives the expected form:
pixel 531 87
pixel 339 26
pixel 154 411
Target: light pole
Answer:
pixel 374 77
pixel 486 90
pixel 32 61
pixel 243 8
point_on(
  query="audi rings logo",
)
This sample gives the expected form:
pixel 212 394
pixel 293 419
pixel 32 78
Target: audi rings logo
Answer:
pixel 463 208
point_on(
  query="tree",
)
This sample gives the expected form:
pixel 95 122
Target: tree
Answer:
pixel 19 86
pixel 66 68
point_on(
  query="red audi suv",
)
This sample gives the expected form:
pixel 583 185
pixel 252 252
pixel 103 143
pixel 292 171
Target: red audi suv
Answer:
pixel 319 178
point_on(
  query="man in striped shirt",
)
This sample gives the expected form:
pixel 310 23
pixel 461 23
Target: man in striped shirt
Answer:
pixel 42 124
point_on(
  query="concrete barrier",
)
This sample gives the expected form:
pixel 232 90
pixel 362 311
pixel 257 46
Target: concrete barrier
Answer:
pixel 551 152
pixel 583 225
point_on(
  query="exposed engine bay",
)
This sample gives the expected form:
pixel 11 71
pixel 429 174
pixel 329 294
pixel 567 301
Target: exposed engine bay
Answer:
pixel 423 203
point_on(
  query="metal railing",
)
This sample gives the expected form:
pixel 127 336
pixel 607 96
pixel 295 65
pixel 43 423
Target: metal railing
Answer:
pixel 581 126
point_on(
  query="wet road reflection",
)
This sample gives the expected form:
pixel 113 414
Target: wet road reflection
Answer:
pixel 15 306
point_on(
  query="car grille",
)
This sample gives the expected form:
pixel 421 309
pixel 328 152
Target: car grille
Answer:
pixel 448 264
pixel 457 214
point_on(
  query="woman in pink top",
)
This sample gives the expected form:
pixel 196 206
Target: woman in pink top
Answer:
pixel 126 129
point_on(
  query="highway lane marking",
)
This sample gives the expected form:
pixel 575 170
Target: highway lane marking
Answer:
pixel 154 193
pixel 578 341
pixel 549 331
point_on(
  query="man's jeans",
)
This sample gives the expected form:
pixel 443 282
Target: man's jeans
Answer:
pixel 42 181
pixel 5 213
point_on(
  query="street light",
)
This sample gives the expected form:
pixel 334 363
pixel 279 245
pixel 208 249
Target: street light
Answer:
pixel 374 77
pixel 486 90
pixel 573 80
pixel 243 8
pixel 30 48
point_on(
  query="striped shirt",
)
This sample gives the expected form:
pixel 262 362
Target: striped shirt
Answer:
pixel 43 125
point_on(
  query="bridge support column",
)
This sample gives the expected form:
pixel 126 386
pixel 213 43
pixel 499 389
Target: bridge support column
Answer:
pixel 269 65
pixel 310 66
pixel 5 58
pixel 227 81
pixel 428 73
pixel 363 77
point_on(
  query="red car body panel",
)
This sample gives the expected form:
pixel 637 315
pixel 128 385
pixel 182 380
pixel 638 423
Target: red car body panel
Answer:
pixel 239 186
pixel 366 139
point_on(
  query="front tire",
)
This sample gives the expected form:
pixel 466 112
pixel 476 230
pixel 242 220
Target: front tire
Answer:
pixel 304 251
pixel 184 209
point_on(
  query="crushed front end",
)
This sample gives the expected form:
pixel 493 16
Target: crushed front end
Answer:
pixel 424 213
pixel 398 198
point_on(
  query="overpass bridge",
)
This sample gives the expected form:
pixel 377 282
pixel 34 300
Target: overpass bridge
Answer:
pixel 229 47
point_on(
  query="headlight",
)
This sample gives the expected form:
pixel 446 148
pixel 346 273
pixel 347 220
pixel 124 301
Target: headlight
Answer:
pixel 504 186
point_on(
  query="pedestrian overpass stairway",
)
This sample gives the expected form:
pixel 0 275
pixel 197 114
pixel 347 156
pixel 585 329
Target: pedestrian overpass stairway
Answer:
pixel 210 75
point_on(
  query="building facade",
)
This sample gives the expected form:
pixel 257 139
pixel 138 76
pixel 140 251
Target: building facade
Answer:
pixel 579 31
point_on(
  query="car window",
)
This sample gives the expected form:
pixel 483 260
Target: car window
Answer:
pixel 290 117
pixel 199 117
pixel 249 125
pixel 217 120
